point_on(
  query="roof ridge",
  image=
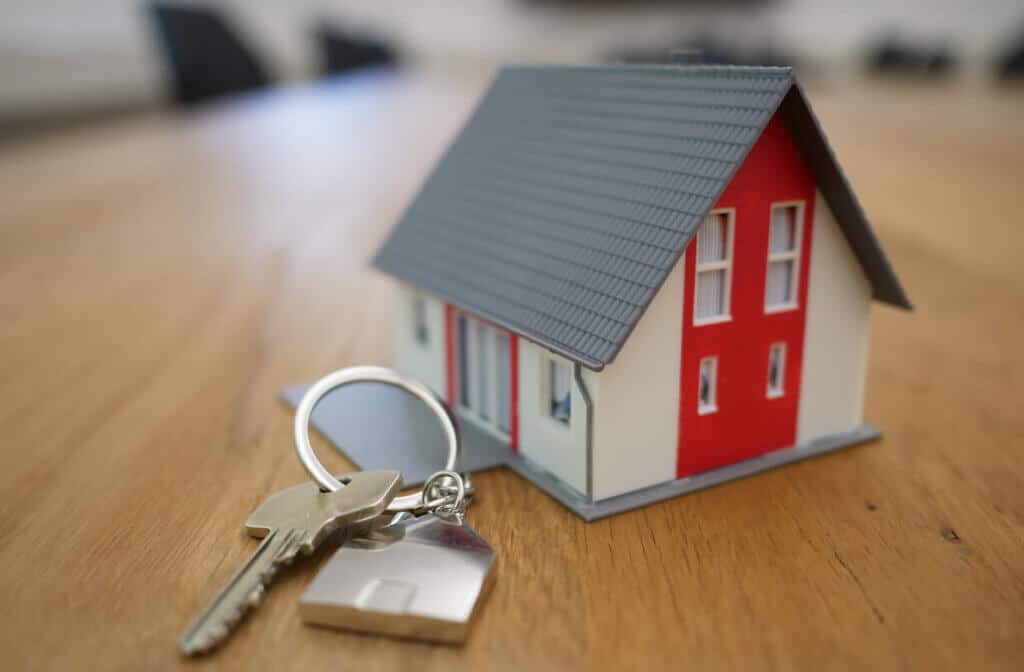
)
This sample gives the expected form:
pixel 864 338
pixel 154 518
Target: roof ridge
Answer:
pixel 780 71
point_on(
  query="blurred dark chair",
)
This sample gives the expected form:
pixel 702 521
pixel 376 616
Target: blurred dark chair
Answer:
pixel 341 51
pixel 1009 64
pixel 207 58
pixel 890 55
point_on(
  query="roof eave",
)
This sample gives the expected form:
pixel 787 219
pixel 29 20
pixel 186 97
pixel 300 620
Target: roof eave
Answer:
pixel 835 188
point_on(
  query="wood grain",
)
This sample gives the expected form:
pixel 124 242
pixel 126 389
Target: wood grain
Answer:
pixel 161 280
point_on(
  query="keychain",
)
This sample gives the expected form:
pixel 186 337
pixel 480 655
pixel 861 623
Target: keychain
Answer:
pixel 423 540
pixel 419 576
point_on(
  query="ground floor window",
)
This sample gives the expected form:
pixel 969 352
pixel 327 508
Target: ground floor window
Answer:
pixel 503 380
pixel 776 370
pixel 421 330
pixel 707 386
pixel 483 372
pixel 559 384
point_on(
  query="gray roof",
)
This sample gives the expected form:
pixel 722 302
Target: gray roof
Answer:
pixel 568 197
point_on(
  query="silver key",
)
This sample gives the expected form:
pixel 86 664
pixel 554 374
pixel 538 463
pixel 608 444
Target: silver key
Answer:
pixel 296 519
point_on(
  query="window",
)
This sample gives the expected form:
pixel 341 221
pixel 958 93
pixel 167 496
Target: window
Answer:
pixel 419 320
pixel 483 370
pixel 462 358
pixel 783 257
pixel 503 382
pixel 714 260
pixel 707 390
pixel 776 370
pixel 559 391
pixel 483 373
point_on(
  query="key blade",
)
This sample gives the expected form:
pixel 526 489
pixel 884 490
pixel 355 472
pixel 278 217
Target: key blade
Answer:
pixel 243 591
pixel 365 496
pixel 292 520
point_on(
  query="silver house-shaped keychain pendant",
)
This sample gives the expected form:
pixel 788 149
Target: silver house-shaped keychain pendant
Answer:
pixel 419 577
pixel 415 577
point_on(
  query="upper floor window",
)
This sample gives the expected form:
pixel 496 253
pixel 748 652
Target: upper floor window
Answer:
pixel 783 257
pixel 421 331
pixel 776 370
pixel 559 390
pixel 714 268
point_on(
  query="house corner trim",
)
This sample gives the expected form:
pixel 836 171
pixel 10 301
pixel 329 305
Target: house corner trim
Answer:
pixel 577 375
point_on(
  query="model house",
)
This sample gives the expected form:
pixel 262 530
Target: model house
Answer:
pixel 641 279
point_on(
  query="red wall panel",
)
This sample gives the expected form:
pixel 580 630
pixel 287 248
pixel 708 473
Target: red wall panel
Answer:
pixel 747 422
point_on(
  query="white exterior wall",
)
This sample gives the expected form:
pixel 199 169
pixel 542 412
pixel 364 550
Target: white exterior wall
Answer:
pixel 836 339
pixel 636 415
pixel 557 448
pixel 424 363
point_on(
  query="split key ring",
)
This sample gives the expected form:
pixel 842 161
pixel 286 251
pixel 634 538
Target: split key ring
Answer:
pixel 417 501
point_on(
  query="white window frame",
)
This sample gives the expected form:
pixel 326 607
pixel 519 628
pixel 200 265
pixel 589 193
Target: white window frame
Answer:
pixel 789 255
pixel 547 391
pixel 726 265
pixel 502 378
pixel 780 389
pixel 463 375
pixel 420 321
pixel 471 411
pixel 485 378
pixel 712 407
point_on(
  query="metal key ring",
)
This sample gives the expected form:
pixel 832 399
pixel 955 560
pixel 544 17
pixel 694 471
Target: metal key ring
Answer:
pixel 453 504
pixel 371 374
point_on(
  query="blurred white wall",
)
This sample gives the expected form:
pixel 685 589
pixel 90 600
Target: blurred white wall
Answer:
pixel 55 54
pixel 63 55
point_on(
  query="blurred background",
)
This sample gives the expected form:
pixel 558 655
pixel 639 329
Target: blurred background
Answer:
pixel 64 62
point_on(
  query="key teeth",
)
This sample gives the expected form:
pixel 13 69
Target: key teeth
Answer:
pixel 219 632
pixel 255 597
pixel 208 643
pixel 210 637
pixel 215 634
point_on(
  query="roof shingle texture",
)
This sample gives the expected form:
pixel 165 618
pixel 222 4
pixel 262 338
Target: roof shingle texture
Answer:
pixel 568 197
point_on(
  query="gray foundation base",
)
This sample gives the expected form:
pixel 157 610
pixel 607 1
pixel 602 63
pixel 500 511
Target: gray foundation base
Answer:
pixel 380 427
pixel 656 493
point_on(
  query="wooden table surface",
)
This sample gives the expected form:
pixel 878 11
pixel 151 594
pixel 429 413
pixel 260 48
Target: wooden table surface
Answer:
pixel 162 279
